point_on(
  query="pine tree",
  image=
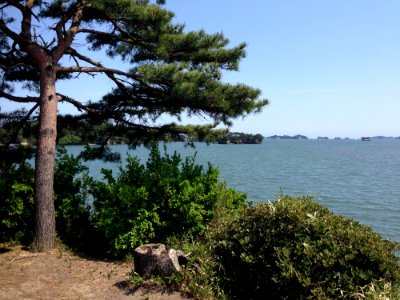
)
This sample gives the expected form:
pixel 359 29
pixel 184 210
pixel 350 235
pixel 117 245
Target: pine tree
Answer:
pixel 169 72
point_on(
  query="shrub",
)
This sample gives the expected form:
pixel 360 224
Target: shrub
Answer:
pixel 295 248
pixel 17 207
pixel 164 197
pixel 70 139
pixel 197 279
pixel 17 204
pixel 71 182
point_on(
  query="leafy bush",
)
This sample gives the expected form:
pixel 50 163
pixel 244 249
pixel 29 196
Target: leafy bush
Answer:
pixel 17 204
pixel 17 207
pixel 71 182
pixel 70 139
pixel 295 248
pixel 164 197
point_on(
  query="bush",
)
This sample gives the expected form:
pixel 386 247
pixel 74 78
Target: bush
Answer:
pixel 71 182
pixel 146 202
pixel 164 197
pixel 17 203
pixel 197 279
pixel 17 209
pixel 295 248
pixel 70 139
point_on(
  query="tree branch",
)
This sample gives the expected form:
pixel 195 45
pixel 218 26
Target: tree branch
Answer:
pixel 117 81
pixel 131 39
pixel 65 41
pixel 79 105
pixel 24 39
pixel 26 21
pixel 99 69
pixel 11 34
pixel 21 124
pixel 22 8
pixel 124 37
pixel 14 66
pixel 26 99
pixel 4 6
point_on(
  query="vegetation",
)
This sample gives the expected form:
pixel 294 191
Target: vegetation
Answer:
pixel 17 204
pixel 297 249
pixel 72 212
pixel 83 132
pixel 165 197
pixel 169 72
pixel 292 248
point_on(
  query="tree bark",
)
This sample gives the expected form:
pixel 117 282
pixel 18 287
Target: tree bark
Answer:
pixel 45 229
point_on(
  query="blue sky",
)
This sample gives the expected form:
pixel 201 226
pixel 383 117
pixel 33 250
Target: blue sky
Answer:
pixel 329 68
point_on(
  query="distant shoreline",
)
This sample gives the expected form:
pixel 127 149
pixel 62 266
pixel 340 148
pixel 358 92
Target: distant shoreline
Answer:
pixel 303 137
pixel 233 142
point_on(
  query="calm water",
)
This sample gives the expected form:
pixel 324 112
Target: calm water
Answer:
pixel 360 180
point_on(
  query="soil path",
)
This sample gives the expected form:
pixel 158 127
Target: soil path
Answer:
pixel 61 275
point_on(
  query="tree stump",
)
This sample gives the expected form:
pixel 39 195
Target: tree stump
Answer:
pixel 155 259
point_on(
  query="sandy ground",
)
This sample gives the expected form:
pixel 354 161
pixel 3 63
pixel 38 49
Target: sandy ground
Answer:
pixel 61 275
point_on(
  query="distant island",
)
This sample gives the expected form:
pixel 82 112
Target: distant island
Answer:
pixel 302 137
pixel 83 133
pixel 240 138
pixel 287 137
pixel 385 138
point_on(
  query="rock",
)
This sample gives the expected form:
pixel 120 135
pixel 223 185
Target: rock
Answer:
pixel 156 259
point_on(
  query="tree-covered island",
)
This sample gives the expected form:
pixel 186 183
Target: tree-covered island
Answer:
pixel 287 137
pixel 240 138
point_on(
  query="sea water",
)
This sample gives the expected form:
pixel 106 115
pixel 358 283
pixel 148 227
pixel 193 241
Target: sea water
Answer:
pixel 356 179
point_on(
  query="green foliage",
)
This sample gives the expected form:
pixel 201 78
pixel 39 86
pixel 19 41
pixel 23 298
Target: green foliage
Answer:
pixel 16 205
pixel 164 197
pixel 170 72
pixel 295 248
pixel 71 182
pixel 12 156
pixel 198 278
pixel 240 138
pixel 72 213
pixel 70 139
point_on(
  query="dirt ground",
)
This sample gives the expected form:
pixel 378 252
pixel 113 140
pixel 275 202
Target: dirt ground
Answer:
pixel 61 275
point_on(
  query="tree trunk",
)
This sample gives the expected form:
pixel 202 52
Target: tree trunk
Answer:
pixel 45 225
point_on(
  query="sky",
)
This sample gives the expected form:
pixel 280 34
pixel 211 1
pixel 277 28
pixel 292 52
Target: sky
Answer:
pixel 328 68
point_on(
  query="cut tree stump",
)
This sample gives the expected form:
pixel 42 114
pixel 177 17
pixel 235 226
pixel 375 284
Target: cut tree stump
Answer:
pixel 156 259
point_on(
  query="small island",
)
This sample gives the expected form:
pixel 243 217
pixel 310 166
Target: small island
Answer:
pixel 288 137
pixel 240 138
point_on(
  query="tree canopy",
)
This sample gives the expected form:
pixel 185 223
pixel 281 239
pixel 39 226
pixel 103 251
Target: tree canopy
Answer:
pixel 169 72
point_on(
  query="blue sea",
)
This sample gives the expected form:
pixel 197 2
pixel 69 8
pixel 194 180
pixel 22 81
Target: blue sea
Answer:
pixel 356 179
